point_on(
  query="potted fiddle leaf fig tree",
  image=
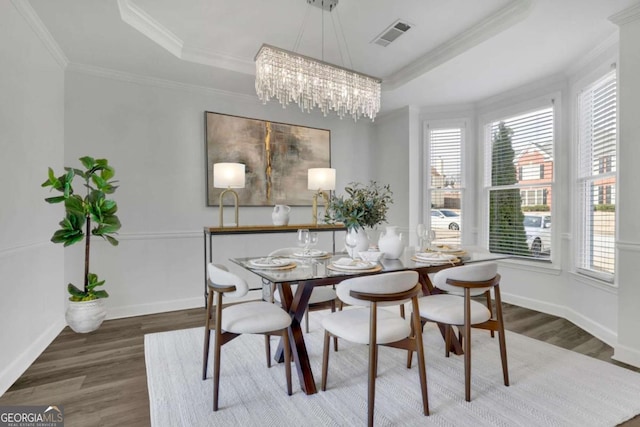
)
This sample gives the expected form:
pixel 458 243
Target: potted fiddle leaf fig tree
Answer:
pixel 90 215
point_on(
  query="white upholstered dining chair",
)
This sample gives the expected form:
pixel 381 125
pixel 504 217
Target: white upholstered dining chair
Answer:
pixel 254 317
pixel 457 308
pixel 368 325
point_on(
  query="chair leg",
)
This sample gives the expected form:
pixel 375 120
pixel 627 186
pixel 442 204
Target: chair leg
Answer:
pixel 216 352
pixel 501 339
pixel 287 359
pixel 467 345
pixel 216 372
pixel 335 339
pixel 447 339
pixel 325 361
pixel 410 352
pixel 267 349
pixel 373 363
pixel 306 321
pixel 490 307
pixel 207 336
pixel 402 311
pixel 422 370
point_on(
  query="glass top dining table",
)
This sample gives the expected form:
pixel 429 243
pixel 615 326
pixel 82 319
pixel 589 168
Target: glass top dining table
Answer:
pixel 309 272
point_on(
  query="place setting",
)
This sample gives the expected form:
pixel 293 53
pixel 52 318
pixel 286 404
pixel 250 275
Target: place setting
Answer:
pixel 435 258
pixel 306 240
pixel 346 264
pixel 272 263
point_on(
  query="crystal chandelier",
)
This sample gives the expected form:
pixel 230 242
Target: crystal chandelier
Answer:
pixel 289 76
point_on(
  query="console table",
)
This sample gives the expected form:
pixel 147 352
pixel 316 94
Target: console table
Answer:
pixel 209 232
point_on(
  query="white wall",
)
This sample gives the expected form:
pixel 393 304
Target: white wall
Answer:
pixel 391 147
pixel 153 134
pixel 628 241
pixel 32 139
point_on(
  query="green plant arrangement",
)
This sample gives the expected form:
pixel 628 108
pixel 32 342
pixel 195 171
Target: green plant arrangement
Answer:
pixel 363 206
pixel 80 212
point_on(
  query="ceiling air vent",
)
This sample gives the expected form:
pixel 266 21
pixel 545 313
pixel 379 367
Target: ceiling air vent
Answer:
pixel 394 31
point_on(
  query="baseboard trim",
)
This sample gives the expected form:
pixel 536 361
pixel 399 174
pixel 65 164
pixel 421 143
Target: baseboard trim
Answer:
pixel 627 355
pixel 11 373
pixel 597 330
pixel 166 306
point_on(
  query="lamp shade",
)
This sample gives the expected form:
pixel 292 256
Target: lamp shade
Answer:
pixel 321 179
pixel 228 175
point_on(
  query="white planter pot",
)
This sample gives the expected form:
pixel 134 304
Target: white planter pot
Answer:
pixel 85 316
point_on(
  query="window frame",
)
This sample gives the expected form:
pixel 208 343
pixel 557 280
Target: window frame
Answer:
pixel 428 126
pixel 578 88
pixel 553 99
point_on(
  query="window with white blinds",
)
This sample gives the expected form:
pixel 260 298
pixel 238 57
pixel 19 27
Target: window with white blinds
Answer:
pixel 519 181
pixel 443 211
pixel 597 147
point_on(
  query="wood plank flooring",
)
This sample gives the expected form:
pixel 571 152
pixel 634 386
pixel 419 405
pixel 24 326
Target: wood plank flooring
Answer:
pixel 100 377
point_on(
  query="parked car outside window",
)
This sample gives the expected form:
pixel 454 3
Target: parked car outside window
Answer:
pixel 538 229
pixel 445 218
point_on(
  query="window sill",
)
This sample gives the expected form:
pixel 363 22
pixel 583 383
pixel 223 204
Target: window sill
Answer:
pixel 539 266
pixel 595 283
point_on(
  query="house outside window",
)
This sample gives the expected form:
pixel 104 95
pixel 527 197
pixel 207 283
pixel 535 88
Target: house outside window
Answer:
pixel 596 178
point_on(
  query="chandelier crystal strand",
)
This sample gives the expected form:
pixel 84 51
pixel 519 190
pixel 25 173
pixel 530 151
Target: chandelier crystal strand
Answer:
pixel 288 76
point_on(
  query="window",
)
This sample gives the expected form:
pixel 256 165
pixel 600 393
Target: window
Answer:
pixel 444 182
pixel 519 181
pixel 597 146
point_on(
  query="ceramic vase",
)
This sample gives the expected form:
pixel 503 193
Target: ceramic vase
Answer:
pixel 280 215
pixel 85 316
pixel 391 243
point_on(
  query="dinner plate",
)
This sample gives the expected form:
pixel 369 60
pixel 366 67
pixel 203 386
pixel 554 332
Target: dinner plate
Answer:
pixel 314 253
pixel 445 249
pixel 356 264
pixel 435 261
pixel 270 262
pixel 434 256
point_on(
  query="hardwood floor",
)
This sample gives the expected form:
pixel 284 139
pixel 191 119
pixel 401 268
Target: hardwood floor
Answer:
pixel 100 377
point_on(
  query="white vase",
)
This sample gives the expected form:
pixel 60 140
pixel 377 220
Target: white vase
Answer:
pixel 362 241
pixel 391 243
pixel 85 316
pixel 280 215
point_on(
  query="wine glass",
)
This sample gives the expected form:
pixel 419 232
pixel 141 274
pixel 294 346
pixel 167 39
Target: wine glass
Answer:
pixel 313 239
pixel 351 241
pixel 303 239
pixel 421 231
pixel 431 237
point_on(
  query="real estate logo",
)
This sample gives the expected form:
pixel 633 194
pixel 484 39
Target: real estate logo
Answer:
pixel 31 416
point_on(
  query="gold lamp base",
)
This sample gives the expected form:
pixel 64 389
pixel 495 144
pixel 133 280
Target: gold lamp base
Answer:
pixel 325 198
pixel 221 209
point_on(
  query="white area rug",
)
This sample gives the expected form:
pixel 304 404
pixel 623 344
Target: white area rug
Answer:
pixel 550 386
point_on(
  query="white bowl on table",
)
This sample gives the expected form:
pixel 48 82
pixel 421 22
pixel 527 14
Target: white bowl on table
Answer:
pixel 372 256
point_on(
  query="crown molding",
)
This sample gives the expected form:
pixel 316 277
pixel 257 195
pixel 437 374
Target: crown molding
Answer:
pixel 593 54
pixel 503 19
pixel 141 21
pixel 627 15
pixel 153 81
pixel 229 62
pixel 38 27
pixel 144 23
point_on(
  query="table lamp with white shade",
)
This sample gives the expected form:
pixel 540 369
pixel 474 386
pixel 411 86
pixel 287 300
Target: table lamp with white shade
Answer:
pixel 321 180
pixel 228 176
